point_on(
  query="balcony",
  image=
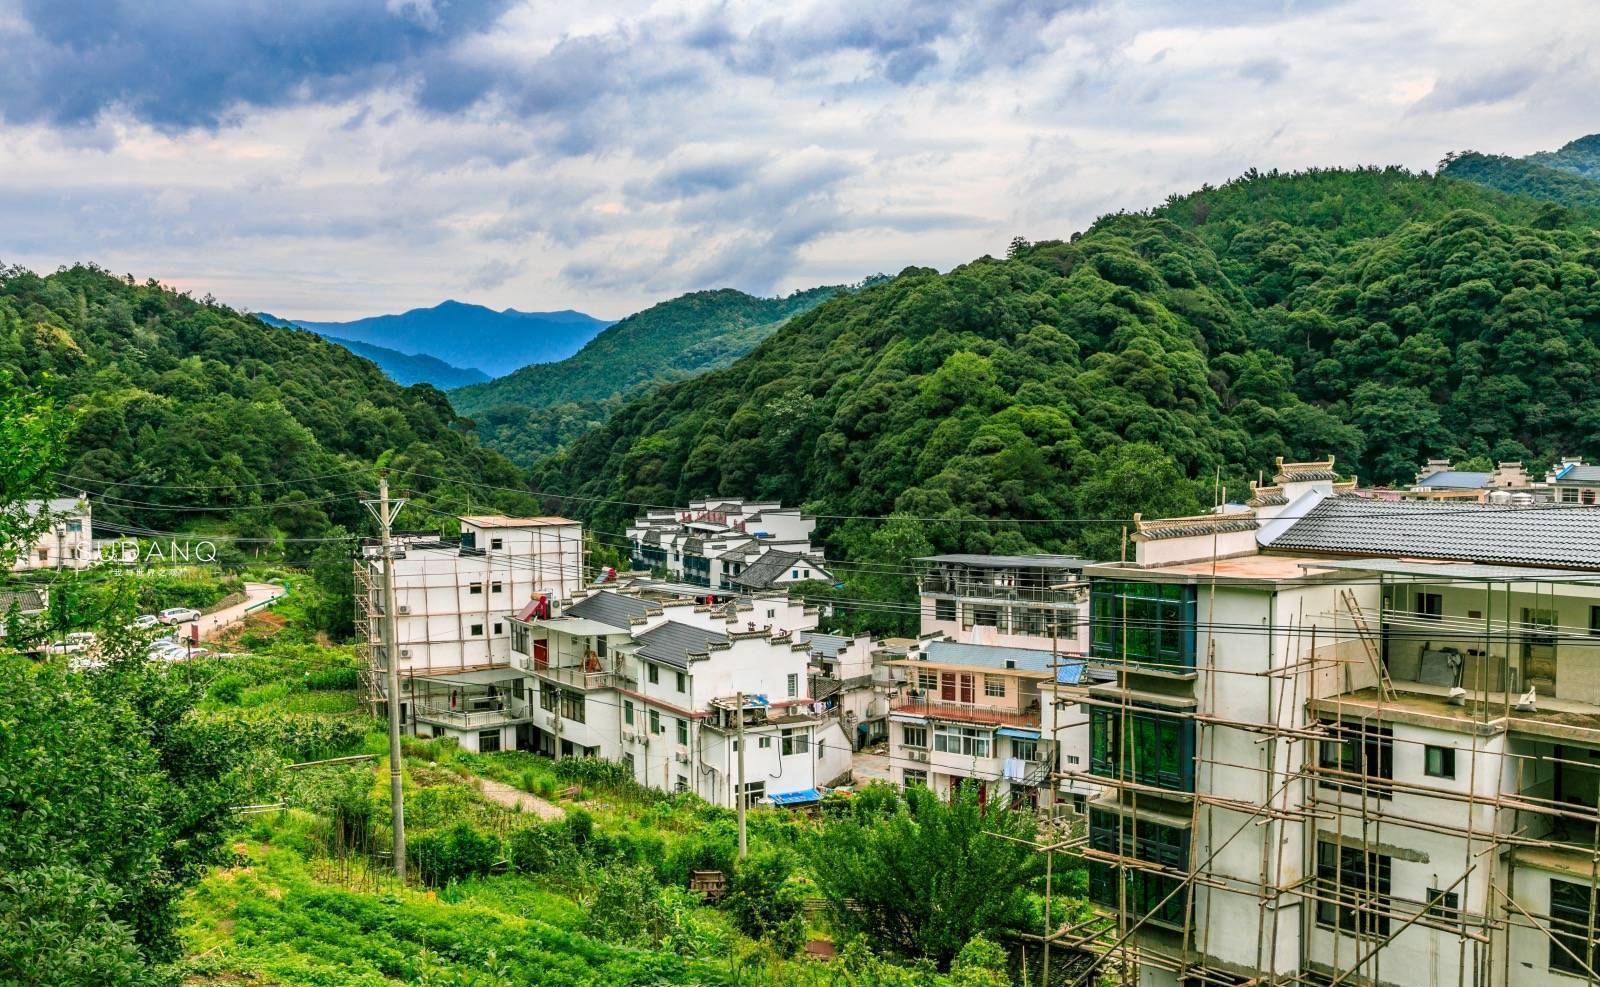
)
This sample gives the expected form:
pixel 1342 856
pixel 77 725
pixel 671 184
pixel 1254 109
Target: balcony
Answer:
pixel 959 712
pixel 576 678
pixel 478 716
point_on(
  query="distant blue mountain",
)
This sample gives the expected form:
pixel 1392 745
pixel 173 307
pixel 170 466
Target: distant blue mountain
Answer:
pixel 466 335
pixel 413 368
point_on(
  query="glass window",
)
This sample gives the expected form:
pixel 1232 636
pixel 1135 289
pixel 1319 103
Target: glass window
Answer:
pixel 497 587
pixel 1439 762
pixel 796 741
pixel 488 741
pixel 549 698
pixel 496 544
pixel 794 685
pixel 914 736
pixel 1151 748
pixel 994 686
pixel 476 589
pixel 476 630
pixel 655 721
pixel 1570 907
pixel 654 673
pixel 683 732
pixel 764 743
pixel 965 741
pixel 573 706
pixel 680 682
pixel 1447 907
pixel 1146 623
pixel 927 681
pixel 499 628
pixel 1354 885
pixel 1024 750
pixel 627 712
pixel 943 610
pixel 912 776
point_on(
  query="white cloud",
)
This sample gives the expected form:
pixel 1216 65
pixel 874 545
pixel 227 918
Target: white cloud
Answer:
pixel 602 157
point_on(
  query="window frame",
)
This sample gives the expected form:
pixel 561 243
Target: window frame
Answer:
pixel 1446 758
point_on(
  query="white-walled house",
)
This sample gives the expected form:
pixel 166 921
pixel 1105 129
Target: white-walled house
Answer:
pixel 67 541
pixel 454 601
pixel 849 677
pixel 728 545
pixel 1020 601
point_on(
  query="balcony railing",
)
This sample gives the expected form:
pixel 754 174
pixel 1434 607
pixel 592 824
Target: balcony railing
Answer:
pixel 969 712
pixel 467 719
pixel 577 678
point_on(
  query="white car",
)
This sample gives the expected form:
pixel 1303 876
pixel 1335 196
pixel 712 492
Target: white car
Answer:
pixel 144 622
pixel 167 649
pixel 179 615
pixel 73 643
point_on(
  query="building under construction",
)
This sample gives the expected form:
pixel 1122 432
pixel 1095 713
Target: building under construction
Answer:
pixel 1346 742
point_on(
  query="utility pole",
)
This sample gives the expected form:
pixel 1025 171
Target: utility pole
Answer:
pixel 739 712
pixel 385 511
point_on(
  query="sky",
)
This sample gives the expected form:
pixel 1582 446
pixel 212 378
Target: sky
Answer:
pixel 330 159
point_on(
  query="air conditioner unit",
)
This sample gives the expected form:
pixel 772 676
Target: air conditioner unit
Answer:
pixel 683 757
pixel 915 755
pixel 405 653
pixel 403 609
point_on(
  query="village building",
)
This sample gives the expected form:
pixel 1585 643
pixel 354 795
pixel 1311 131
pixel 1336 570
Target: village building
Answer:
pixel 67 541
pixel 454 600
pixel 1023 601
pixel 1508 482
pixel 728 545
pixel 1368 732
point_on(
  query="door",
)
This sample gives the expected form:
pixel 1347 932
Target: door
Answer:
pixel 968 692
pixel 541 653
pixel 1538 646
pixel 947 686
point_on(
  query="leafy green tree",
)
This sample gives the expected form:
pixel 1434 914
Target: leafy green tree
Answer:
pixel 927 878
pixel 764 903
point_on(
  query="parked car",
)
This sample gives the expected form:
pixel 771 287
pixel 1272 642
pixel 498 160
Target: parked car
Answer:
pixel 166 649
pixel 73 643
pixel 179 615
pixel 145 621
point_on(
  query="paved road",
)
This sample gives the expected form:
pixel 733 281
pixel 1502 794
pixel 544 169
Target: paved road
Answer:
pixel 213 624
pixel 867 767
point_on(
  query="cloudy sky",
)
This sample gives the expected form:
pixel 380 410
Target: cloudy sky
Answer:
pixel 338 158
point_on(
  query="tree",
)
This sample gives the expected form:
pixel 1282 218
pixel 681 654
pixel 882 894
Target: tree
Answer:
pixel 1135 478
pixel 31 435
pixel 763 902
pixel 930 875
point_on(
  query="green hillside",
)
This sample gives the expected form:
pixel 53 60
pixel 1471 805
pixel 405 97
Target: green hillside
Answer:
pixel 534 411
pixel 254 430
pixel 1376 315
pixel 1569 176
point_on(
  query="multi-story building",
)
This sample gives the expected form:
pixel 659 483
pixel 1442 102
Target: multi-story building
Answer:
pixel 662 686
pixel 1574 482
pixel 1022 601
pixel 849 678
pixel 1508 482
pixel 1348 742
pixel 67 541
pixel 971 713
pixel 728 545
pixel 454 601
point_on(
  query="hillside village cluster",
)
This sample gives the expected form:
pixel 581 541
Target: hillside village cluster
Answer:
pixel 1363 725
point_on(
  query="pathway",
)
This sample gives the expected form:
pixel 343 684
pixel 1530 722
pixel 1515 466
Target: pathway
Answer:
pixel 213 624
pixel 516 798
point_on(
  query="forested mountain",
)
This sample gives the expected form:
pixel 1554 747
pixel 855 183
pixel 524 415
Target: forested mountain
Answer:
pixel 188 414
pixel 466 335
pixel 1375 315
pixel 537 409
pixel 1570 176
pixel 411 368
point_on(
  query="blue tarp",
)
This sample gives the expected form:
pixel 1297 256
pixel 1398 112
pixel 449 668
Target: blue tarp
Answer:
pixel 1019 733
pixel 796 798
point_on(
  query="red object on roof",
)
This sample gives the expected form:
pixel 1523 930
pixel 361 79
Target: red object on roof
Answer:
pixel 538 609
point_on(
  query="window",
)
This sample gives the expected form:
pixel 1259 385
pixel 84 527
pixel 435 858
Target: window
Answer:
pixel 966 741
pixel 572 706
pixel 1594 620
pixel 1361 750
pixel 519 638
pixel 957 687
pixel 516 688
pixel 627 759
pixel 1157 897
pixel 796 742
pixel 655 721
pixel 1430 605
pixel 600 646
pixel 496 544
pixel 488 741
pixel 1130 836
pixel 1439 762
pixel 754 792
pixel 994 686
pixel 549 698
pixel 1144 623
pixel 681 784
pixel 655 673
pixel 1150 748
pixel 911 776
pixel 1570 907
pixel 927 681
pixel 1354 884
pixel 497 587
pixel 794 685
pixel 499 628
pixel 944 610
pixel 476 631
pixel 986 616
pixel 1074 759
pixel 794 573
pixel 1447 907
pixel 1024 750
pixel 678 680
pixel 1569 495
pixel 683 732
pixel 912 736
pixel 627 712
pixel 764 743
pixel 476 589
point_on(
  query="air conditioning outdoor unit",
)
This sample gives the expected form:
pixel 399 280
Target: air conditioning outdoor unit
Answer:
pixel 405 653
pixel 917 755
pixel 683 758
pixel 403 609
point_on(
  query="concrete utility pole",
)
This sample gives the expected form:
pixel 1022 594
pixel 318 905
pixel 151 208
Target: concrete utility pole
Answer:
pixel 739 712
pixel 385 511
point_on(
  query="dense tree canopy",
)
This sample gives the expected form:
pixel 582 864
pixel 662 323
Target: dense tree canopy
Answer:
pixel 538 409
pixel 1376 315
pixel 214 418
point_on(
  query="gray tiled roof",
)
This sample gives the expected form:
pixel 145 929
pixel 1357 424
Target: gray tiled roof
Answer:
pixel 611 608
pixel 1548 535
pixel 25 600
pixel 672 643
pixel 1579 473
pixel 827 645
pixel 768 569
pixel 1455 480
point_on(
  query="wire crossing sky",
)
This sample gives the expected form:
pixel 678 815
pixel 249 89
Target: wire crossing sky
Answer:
pixel 339 158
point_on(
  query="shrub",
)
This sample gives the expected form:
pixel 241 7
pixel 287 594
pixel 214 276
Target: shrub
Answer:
pixel 627 907
pixel 594 771
pixel 332 679
pixel 580 826
pixel 710 848
pixel 227 689
pixel 543 848
pixel 453 854
pixel 764 904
